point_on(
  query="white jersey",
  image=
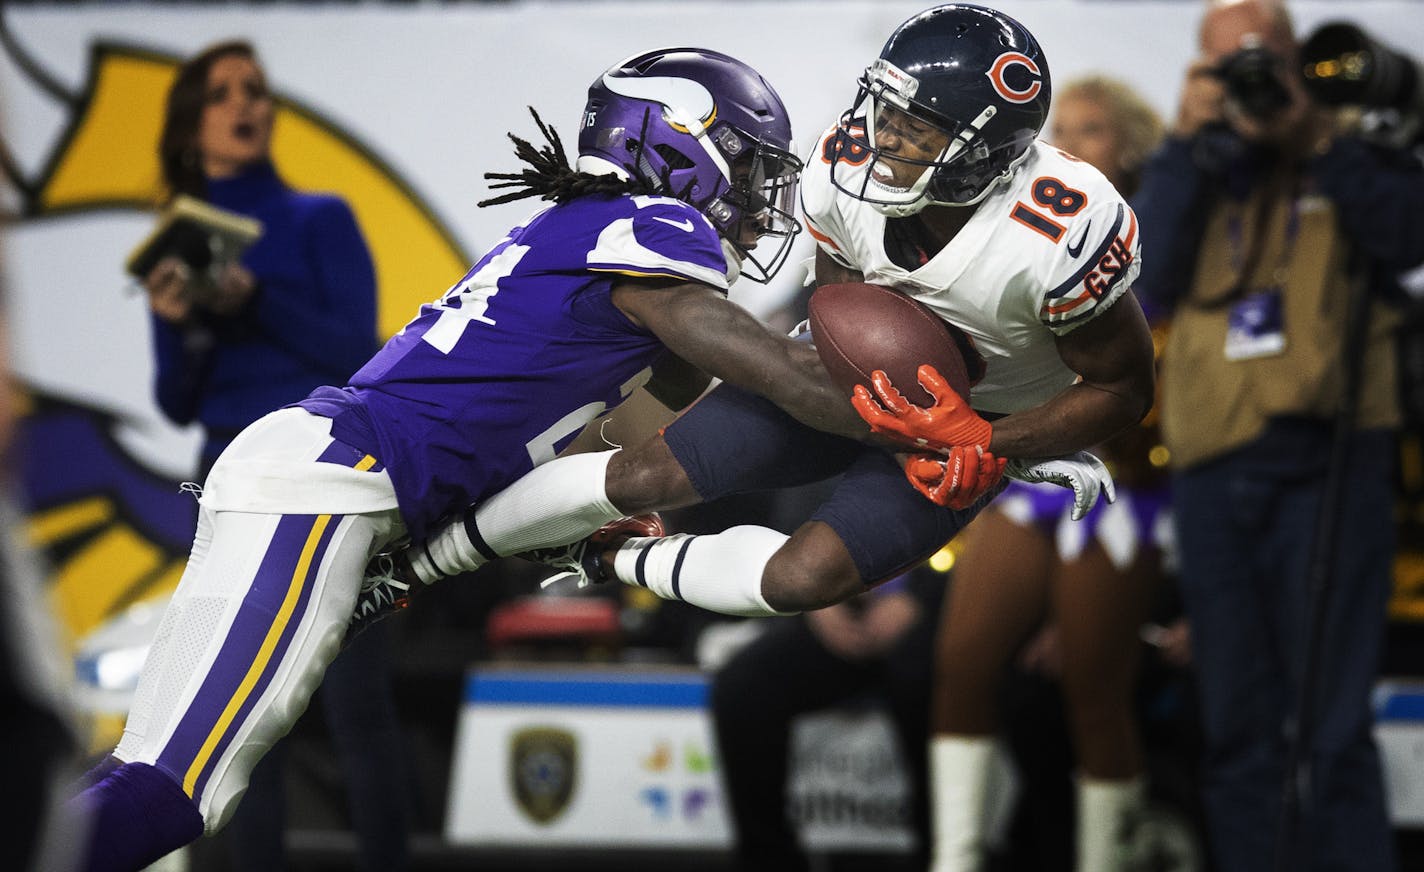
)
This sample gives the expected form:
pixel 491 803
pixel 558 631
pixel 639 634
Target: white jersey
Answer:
pixel 1044 253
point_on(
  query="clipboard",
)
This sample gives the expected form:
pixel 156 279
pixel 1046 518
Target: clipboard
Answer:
pixel 202 235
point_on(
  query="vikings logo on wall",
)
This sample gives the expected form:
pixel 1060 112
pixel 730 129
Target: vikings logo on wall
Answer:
pixel 543 771
pixel 101 477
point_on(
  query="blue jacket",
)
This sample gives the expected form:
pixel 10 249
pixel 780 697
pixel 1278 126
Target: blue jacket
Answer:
pixel 311 320
pixel 1376 193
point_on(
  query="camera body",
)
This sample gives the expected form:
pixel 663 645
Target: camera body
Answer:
pixel 1253 80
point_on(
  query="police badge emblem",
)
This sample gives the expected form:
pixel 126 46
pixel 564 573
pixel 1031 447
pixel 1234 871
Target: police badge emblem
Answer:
pixel 543 771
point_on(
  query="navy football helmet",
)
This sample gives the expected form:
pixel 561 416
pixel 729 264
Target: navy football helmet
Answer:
pixel 974 74
pixel 705 128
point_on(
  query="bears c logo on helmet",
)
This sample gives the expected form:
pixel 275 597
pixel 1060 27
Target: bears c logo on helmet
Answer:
pixel 998 74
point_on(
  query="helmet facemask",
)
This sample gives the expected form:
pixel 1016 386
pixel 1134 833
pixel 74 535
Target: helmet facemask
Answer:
pixel 963 173
pixel 760 189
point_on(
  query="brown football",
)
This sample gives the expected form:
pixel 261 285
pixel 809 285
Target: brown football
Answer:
pixel 859 328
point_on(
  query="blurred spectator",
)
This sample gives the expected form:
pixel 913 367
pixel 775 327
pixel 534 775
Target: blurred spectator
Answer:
pixel 1271 234
pixel 875 647
pixel 1077 591
pixel 1103 121
pixel 298 312
pixel 36 717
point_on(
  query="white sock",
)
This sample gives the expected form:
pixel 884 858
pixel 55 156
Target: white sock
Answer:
pixel 560 502
pixel 1109 816
pixel 961 775
pixel 557 503
pixel 721 573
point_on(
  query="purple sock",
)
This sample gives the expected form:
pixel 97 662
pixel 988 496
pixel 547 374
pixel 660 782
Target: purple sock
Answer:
pixel 98 773
pixel 136 815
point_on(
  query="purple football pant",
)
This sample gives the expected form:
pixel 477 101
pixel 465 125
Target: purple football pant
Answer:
pixel 259 614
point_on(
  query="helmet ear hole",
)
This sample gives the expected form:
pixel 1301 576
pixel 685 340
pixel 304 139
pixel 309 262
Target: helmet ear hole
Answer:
pixel 674 159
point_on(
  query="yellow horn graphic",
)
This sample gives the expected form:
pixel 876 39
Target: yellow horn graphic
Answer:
pixel 107 547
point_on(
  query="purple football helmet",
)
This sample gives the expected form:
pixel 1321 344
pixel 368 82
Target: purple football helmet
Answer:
pixel 977 76
pixel 704 128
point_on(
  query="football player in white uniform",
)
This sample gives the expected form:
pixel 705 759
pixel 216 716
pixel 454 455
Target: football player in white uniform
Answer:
pixel 1028 250
pixel 1029 260
pixel 932 182
pixel 937 186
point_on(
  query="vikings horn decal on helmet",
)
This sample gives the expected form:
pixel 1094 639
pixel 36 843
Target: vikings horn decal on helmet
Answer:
pixel 976 76
pixel 707 129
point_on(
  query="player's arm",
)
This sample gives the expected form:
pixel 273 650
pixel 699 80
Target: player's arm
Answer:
pixel 708 331
pixel 676 383
pixel 831 272
pixel 1112 354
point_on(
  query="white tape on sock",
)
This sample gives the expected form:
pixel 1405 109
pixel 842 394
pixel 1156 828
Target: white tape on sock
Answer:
pixel 720 573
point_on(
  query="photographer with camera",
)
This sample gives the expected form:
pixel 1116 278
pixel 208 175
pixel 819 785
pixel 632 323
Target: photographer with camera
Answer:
pixel 1275 239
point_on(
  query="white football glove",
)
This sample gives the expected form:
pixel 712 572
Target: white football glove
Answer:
pixel 1080 471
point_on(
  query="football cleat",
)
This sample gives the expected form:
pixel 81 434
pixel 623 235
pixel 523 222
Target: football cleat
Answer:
pixel 386 589
pixel 582 559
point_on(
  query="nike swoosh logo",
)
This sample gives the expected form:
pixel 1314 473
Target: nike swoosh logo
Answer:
pixel 1075 250
pixel 684 225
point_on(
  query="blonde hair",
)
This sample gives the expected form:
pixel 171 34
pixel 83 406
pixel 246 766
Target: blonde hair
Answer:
pixel 1139 127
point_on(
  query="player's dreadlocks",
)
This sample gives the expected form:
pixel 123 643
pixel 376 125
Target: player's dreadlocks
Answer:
pixel 550 177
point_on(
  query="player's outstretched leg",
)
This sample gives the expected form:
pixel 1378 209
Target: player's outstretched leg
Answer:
pixel 556 505
pixel 745 571
pixel 391 580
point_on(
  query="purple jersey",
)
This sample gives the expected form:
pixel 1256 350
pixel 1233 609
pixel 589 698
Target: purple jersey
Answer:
pixel 504 371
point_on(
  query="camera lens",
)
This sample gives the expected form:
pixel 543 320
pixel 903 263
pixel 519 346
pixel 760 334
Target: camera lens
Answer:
pixel 1343 65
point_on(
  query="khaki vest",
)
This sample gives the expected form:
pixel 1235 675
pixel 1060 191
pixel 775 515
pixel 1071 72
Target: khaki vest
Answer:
pixel 1211 405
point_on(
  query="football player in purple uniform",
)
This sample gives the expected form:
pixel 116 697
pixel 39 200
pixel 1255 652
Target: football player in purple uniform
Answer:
pixel 685 162
pixel 934 183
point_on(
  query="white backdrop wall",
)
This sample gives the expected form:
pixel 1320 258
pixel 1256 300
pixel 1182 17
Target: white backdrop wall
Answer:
pixel 431 89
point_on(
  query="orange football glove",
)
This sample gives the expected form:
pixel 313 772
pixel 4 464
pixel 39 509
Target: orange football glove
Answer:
pixel 957 480
pixel 949 422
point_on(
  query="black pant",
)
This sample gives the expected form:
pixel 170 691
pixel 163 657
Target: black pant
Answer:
pixel 787 672
pixel 41 742
pixel 1245 524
